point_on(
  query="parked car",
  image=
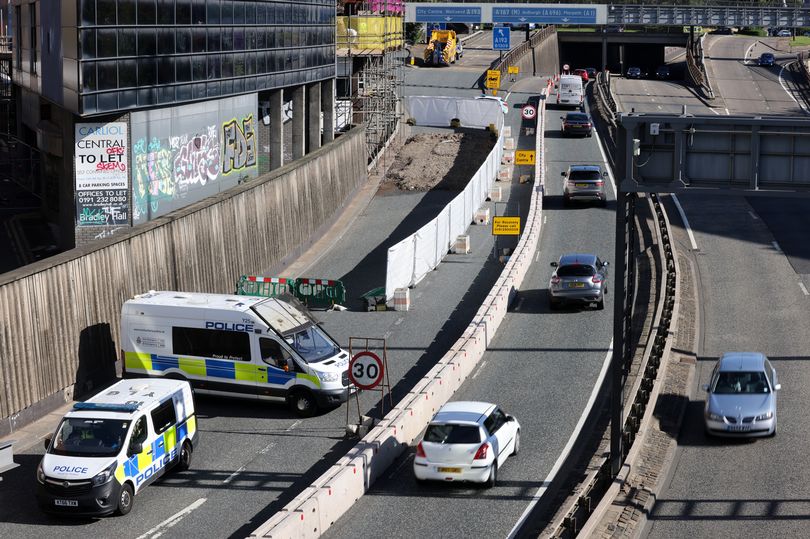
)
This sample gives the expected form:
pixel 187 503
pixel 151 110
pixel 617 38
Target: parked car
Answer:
pixel 466 441
pixel 591 72
pixel 635 73
pixel 766 59
pixel 584 182
pixel 582 73
pixel 784 33
pixel 662 73
pixel 577 123
pixel 578 279
pixel 741 396
pixel 723 31
pixel 613 28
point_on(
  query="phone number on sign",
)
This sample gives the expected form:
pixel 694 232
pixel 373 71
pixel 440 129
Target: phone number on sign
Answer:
pixel 121 199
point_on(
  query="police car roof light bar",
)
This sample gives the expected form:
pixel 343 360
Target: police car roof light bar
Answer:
pixel 105 407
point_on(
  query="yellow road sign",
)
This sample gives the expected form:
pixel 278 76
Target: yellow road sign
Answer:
pixel 506 226
pixel 514 70
pixel 524 157
pixel 493 78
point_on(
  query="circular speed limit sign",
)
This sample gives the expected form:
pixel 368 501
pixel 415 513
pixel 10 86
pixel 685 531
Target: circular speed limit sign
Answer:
pixel 529 112
pixel 366 370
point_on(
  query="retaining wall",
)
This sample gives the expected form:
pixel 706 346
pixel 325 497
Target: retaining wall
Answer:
pixel 59 318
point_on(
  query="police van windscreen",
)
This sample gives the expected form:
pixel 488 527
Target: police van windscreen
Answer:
pixel 312 343
pixel 89 437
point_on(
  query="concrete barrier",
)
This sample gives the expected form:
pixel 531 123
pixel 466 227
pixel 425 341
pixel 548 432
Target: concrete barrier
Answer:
pixel 403 424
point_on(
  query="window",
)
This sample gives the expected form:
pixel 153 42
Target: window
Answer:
pixel 273 354
pixel 107 44
pixel 139 432
pixel 448 433
pixel 147 14
pixel 147 42
pixel 575 270
pixel 211 343
pixel 32 19
pixel 18 32
pixel 164 417
pixel 126 12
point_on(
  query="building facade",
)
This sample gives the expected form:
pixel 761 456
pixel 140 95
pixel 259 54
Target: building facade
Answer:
pixel 143 106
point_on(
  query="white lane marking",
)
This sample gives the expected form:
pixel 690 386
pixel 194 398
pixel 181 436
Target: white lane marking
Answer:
pixel 386 334
pixel 234 474
pixel 685 222
pixel 269 446
pixel 544 219
pixel 158 530
pixel 714 111
pixel 727 112
pixel 568 446
pixel 399 321
pixel 605 160
pixel 537 257
pixel 776 246
pixel 748 50
pixel 660 107
pixel 788 92
pixel 291 427
pixel 804 288
pixel 480 368
pixel 753 215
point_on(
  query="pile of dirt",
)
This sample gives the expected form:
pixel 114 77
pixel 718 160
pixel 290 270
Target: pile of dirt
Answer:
pixel 438 161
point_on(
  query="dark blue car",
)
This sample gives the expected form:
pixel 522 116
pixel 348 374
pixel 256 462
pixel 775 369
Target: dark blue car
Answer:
pixel 766 59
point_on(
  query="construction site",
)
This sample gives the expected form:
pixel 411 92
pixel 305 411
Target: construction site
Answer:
pixel 370 68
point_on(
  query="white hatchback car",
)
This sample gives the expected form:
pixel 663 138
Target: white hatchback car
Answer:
pixel 466 441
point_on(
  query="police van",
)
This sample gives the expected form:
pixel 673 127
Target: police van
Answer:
pixel 240 346
pixel 107 449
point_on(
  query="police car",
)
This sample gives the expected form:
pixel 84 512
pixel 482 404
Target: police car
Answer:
pixel 106 450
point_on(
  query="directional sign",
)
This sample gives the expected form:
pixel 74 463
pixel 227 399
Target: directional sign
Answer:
pixel 436 26
pixel 556 14
pixel 529 112
pixel 448 14
pixel 366 370
pixel 501 38
pixel 506 226
pixel 493 79
pixel 524 157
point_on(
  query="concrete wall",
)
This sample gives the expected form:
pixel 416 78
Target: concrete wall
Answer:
pixel 59 318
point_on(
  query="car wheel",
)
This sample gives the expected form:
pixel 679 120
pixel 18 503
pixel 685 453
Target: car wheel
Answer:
pixel 493 475
pixel 186 452
pixel 303 403
pixel 600 305
pixel 125 500
pixel 516 449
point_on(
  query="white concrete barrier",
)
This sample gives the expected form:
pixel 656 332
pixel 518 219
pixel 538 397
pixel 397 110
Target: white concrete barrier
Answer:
pixel 320 505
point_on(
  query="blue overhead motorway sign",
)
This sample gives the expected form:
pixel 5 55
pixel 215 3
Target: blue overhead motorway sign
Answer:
pixel 447 13
pixel 500 38
pixel 549 14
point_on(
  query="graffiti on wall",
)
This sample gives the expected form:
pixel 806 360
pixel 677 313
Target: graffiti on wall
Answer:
pixel 239 140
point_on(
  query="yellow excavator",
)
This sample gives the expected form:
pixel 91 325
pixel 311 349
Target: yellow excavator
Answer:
pixel 443 49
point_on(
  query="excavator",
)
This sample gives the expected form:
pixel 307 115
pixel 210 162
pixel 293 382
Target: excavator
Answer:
pixel 443 49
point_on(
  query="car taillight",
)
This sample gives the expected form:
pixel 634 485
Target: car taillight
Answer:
pixel 596 279
pixel 588 124
pixel 481 454
pixel 420 451
pixel 555 280
pixel 599 183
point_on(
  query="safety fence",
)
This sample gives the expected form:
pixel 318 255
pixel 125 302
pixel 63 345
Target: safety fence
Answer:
pixel 420 253
pixel 319 506
pixel 314 293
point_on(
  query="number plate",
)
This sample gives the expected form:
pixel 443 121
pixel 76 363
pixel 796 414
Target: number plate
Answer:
pixel 576 285
pixel 582 185
pixel 738 428
pixel 449 470
pixel 66 503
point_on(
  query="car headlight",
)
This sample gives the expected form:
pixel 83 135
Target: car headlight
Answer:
pixel 765 416
pixel 40 474
pixel 714 417
pixel 105 475
pixel 328 376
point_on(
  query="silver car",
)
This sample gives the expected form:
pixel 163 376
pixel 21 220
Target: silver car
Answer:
pixel 584 182
pixel 579 279
pixel 741 397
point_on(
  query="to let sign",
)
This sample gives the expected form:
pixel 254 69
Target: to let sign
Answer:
pixel 506 226
pixel 525 157
pixel 102 175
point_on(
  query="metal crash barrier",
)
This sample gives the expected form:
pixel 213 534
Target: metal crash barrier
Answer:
pixel 314 293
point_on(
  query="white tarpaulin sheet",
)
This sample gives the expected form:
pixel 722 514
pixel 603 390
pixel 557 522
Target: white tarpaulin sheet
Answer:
pixel 439 111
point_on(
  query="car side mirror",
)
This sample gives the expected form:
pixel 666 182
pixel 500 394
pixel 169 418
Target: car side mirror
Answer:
pixel 135 449
pixel 705 387
pixel 510 418
pixel 46 442
pixel 562 117
pixel 553 264
pixel 777 387
pixel 563 174
pixel 606 263
pixel 604 173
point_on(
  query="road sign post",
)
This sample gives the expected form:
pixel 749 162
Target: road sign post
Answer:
pixel 368 370
pixel 493 81
pixel 529 112
pixel 501 38
pixel 512 70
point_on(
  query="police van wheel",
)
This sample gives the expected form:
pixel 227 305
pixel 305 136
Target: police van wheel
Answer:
pixel 303 403
pixel 125 499
pixel 184 462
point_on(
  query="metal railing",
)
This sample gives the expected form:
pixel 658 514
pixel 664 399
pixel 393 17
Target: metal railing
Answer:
pixel 5 44
pixel 515 54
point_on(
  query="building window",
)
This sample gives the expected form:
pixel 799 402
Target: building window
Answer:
pixel 18 33
pixel 32 17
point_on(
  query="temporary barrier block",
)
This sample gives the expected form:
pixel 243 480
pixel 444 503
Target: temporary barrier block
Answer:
pixel 481 216
pixel 507 131
pixel 505 173
pixel 508 143
pixel 508 157
pixel 462 245
pixel 402 299
pixel 495 193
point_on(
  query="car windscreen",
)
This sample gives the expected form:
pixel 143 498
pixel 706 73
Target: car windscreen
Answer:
pixel 739 382
pixel 89 437
pixel 312 343
pixel 576 117
pixel 575 270
pixel 584 175
pixel 449 433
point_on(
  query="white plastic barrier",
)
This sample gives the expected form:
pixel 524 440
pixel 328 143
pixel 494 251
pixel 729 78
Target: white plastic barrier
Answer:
pixel 410 260
pixel 318 507
pixel 438 111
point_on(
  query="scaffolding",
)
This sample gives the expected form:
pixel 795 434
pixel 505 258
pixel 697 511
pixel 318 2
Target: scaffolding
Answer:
pixel 371 59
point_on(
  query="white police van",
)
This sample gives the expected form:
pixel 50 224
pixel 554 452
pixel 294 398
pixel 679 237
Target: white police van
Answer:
pixel 240 346
pixel 108 448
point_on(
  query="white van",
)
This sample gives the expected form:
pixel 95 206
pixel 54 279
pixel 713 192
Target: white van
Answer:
pixel 107 449
pixel 239 346
pixel 569 91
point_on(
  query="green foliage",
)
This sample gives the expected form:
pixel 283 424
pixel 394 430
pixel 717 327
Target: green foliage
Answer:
pixel 752 31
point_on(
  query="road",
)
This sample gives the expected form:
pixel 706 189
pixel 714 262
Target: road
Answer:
pixel 253 458
pixel 541 367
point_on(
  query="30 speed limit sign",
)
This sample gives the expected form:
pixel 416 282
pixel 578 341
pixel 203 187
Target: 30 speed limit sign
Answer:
pixel 529 112
pixel 366 370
